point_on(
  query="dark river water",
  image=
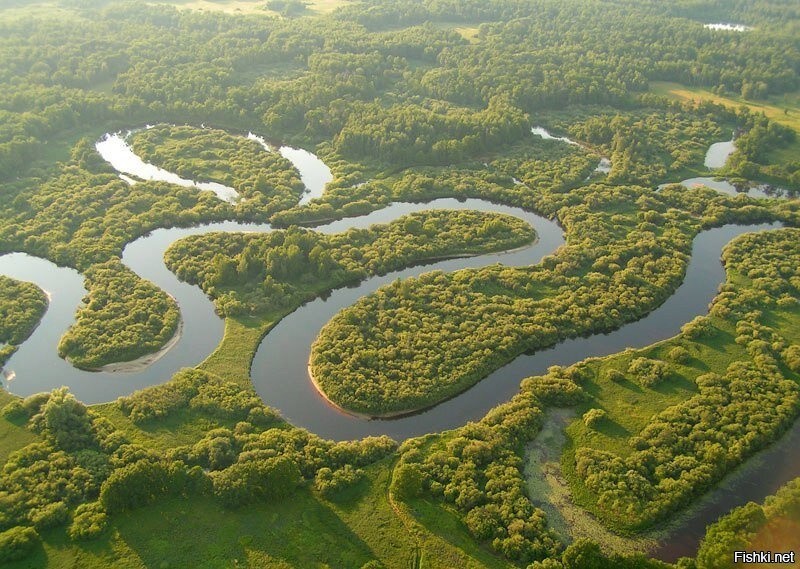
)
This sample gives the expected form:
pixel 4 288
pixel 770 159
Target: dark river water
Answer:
pixel 279 369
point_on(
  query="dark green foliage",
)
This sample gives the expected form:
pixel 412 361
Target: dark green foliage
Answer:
pixel 144 481
pixel 17 543
pixel 652 145
pixel 407 481
pixel 440 134
pixel 749 160
pixel 544 165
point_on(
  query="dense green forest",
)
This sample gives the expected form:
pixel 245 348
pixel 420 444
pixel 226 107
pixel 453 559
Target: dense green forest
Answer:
pixel 627 251
pixel 266 181
pixel 405 100
pixel 21 307
pixel 248 274
pixel 123 317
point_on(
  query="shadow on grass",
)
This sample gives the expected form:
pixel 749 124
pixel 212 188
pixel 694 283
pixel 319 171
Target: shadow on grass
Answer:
pixel 299 531
pixel 676 384
pixel 611 428
pixel 629 385
pixel 449 528
pixel 697 364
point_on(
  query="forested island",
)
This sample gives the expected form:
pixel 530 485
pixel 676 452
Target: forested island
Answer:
pixel 449 131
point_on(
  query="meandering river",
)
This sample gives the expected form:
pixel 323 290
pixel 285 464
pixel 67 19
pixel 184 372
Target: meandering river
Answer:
pixel 279 370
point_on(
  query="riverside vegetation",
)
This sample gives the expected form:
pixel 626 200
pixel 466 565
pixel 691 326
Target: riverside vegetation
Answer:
pixel 402 107
pixel 21 307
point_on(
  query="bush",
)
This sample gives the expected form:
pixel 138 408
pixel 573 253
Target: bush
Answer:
pixel 407 481
pixel 246 482
pixel 64 421
pixel 49 515
pixel 648 372
pixel 615 375
pixel 330 482
pixel 679 355
pixel 698 328
pixel 90 522
pixel 791 357
pixel 16 543
pixel 593 417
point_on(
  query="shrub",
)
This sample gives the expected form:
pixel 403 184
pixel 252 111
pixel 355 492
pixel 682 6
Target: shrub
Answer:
pixel 648 372
pixel 246 482
pixel 49 515
pixel 791 357
pixel 16 543
pixel 698 328
pixel 615 375
pixel 679 355
pixel 64 421
pixel 407 481
pixel 593 417
pixel 330 482
pixel 90 522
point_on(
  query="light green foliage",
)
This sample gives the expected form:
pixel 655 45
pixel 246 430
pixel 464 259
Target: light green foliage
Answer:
pixel 21 307
pixel 653 145
pixel 197 390
pixel 477 469
pixel 89 523
pixel 17 543
pixel 648 372
pixel 331 482
pixel 391 96
pixel 64 421
pixel 679 355
pixel 362 357
pixel 593 417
